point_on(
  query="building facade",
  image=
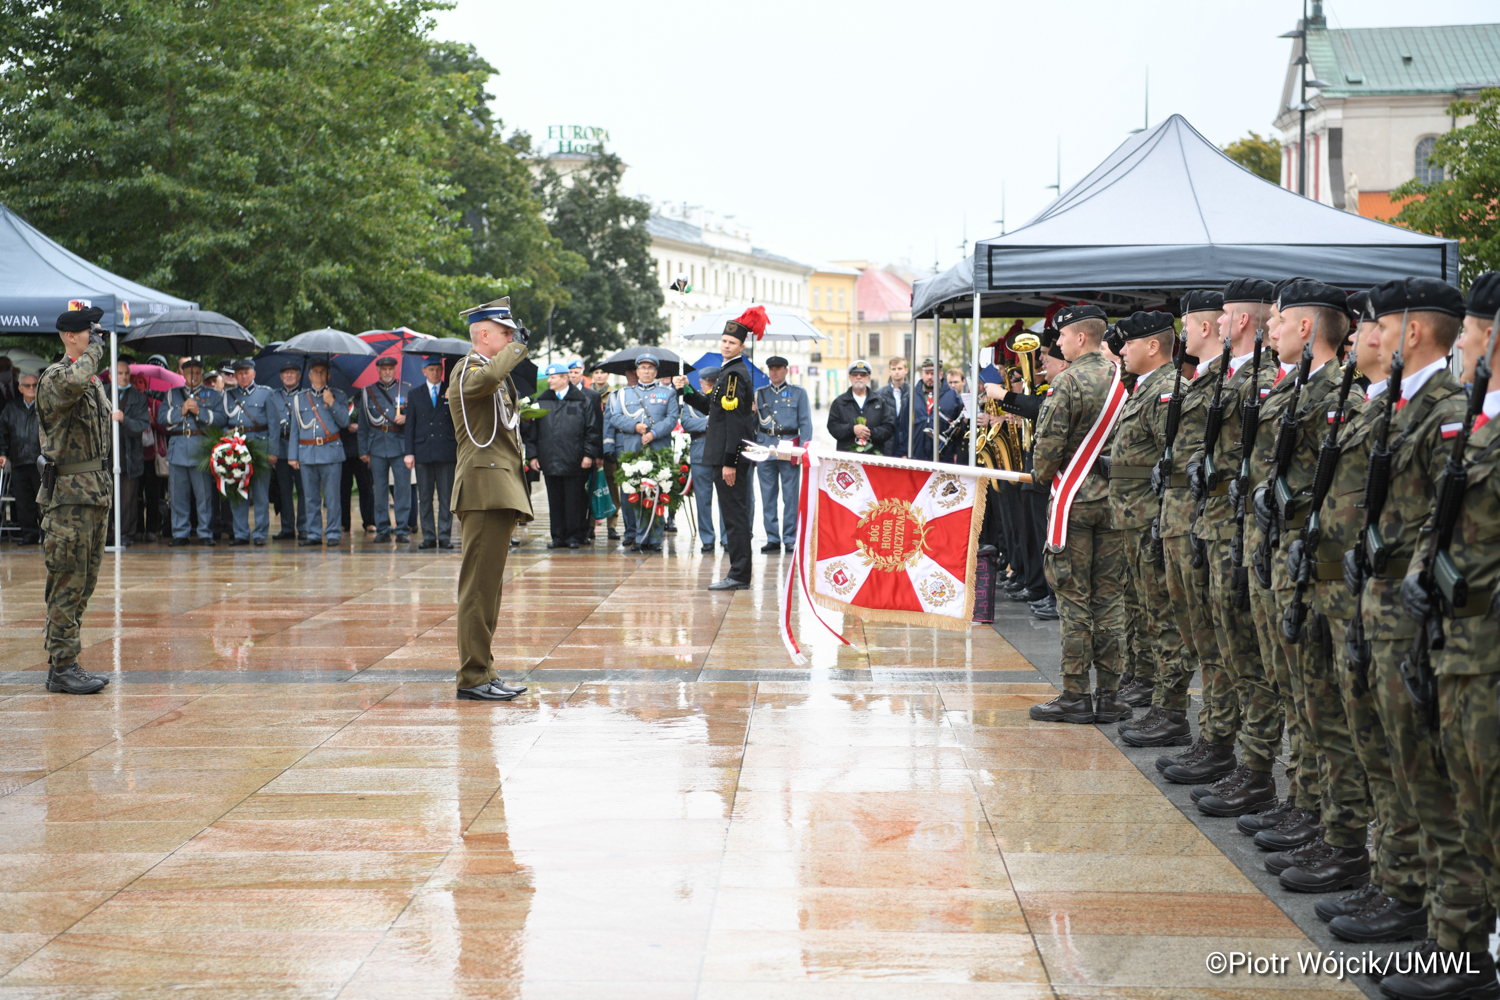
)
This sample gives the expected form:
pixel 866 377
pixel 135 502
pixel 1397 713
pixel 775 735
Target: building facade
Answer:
pixel 1383 102
pixel 833 311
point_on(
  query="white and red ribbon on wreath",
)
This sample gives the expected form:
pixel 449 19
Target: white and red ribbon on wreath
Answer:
pixel 1065 487
pixel 807 506
pixel 231 463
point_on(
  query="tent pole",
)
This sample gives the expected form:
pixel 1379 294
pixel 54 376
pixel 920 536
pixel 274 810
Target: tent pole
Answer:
pixel 937 386
pixel 974 376
pixel 912 376
pixel 114 430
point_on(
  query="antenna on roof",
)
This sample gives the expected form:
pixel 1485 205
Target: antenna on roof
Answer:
pixel 1001 220
pixel 1147 122
pixel 1058 186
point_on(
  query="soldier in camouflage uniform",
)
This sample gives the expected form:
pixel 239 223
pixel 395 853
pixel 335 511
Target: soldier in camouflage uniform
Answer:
pixel 1467 669
pixel 1088 572
pixel 1420 319
pixel 1139 439
pixel 1165 724
pixel 73 414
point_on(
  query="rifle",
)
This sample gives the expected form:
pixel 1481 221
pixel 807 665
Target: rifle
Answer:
pixel 1249 428
pixel 1369 552
pixel 1329 453
pixel 1281 459
pixel 1439 573
pixel 1213 424
pixel 1161 478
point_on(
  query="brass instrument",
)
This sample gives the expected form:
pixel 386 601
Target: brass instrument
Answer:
pixel 1023 344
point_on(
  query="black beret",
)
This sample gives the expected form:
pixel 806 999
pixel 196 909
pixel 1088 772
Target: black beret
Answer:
pixel 1073 314
pixel 1249 290
pixel 1484 295
pixel 1415 295
pixel 776 361
pixel 243 364
pixel 711 371
pixel 1358 304
pixel 1053 351
pixel 1144 324
pixel 79 320
pixel 1202 300
pixel 1311 292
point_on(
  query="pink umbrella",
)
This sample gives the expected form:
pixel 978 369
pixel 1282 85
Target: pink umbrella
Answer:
pixel 158 379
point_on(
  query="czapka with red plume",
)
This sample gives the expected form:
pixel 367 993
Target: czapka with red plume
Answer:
pixel 752 321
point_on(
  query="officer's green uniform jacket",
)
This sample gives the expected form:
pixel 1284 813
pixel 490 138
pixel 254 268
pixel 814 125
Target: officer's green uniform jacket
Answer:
pixel 1077 397
pixel 1177 508
pixel 1138 440
pixel 1417 457
pixel 1343 509
pixel 491 464
pixel 73 418
pixel 1319 396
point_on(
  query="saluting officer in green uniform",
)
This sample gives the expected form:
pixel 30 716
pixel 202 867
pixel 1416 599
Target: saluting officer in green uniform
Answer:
pixel 490 492
pixel 73 415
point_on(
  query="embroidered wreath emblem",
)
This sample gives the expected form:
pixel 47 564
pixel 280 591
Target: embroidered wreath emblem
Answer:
pixel 838 578
pixel 948 490
pixel 937 591
pixel 843 479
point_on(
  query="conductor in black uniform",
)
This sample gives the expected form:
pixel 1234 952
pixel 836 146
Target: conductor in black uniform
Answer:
pixel 731 423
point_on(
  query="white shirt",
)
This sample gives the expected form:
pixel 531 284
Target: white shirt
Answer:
pixel 900 395
pixel 1203 366
pixel 860 400
pixel 1235 363
pixel 1492 404
pixel 1375 389
pixel 562 393
pixel 1411 386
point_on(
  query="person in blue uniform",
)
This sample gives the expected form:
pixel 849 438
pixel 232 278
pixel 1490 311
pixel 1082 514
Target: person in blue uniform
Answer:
pixel 250 409
pixel 643 417
pixel 319 413
pixel 783 413
pixel 382 446
pixel 187 412
pixel 696 426
pixel 289 490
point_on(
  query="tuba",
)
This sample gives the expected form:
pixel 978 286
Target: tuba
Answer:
pixel 1000 447
pixel 1024 344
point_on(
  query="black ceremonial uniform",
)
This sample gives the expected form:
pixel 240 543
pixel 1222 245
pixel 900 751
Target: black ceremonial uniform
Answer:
pixel 731 422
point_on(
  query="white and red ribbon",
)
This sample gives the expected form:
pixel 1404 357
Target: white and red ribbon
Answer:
pixel 231 463
pixel 807 506
pixel 1066 486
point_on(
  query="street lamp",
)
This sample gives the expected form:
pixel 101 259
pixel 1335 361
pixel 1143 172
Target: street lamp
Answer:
pixel 1303 107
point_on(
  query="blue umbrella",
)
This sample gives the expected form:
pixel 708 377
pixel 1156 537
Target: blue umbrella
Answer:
pixel 714 359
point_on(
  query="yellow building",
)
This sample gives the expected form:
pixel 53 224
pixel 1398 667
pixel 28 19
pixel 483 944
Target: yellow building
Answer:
pixel 832 309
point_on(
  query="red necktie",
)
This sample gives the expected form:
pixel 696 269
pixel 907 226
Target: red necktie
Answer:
pixel 1280 372
pixel 1481 420
pixel 1400 403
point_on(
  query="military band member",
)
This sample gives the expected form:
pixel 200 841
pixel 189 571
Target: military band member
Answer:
pixel 950 413
pixel 382 446
pixel 188 410
pixel 319 413
pixel 288 482
pixel 643 417
pixel 490 492
pixel 783 413
pixel 250 409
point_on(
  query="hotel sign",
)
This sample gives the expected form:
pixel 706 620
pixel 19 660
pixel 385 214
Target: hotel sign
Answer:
pixel 576 139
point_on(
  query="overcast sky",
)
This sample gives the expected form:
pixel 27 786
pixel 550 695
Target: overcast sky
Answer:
pixel 875 129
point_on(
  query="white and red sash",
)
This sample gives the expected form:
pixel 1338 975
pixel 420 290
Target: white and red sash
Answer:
pixel 1066 486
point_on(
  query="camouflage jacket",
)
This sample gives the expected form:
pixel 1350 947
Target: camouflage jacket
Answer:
pixel 1417 457
pixel 1139 439
pixel 1275 395
pixel 1177 511
pixel 1073 406
pixel 1343 509
pixel 1319 396
pixel 73 418
pixel 1217 520
pixel 1474 635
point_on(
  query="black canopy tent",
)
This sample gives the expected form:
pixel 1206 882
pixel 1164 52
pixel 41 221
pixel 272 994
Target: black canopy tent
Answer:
pixel 1167 211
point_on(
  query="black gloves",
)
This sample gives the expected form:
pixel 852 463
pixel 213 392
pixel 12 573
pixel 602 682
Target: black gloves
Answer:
pixel 522 336
pixel 1415 600
pixel 95 338
pixel 1102 466
pixel 1296 561
pixel 1264 515
pixel 1158 486
pixel 1196 481
pixel 1354 577
pixel 1199 549
pixel 1234 496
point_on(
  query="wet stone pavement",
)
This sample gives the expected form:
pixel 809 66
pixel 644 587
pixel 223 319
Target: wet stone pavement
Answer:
pixel 279 797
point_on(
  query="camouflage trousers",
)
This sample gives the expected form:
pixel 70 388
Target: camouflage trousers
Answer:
pixel 1088 576
pixel 1187 602
pixel 1157 650
pixel 1274 705
pixel 1471 744
pixel 1395 838
pixel 73 548
pixel 1458 914
pixel 1238 652
pixel 1344 795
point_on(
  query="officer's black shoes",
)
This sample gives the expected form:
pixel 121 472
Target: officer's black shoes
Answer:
pixel 1108 708
pixel 648 549
pixel 573 545
pixel 382 536
pixel 1045 611
pixel 260 543
pixel 707 549
pixel 1216 761
pixel 1137 693
pixel 1030 596
pixel 770 547
pixel 1070 706
pixel 1248 791
pixel 402 538
pixel 1169 729
pixel 428 543
pixel 237 542
pixel 1347 905
pixel 614 535
pixel 1191 755
pixel 1328 869
pixel 554 544
pixel 486 692
pixel 1456 975
pixel 284 536
pixel 1296 828
pixel 177 541
pixel 627 543
pixel 729 583
pixel 305 542
pixel 74 679
pixel 448 545
pixel 207 543
pixel 1383 918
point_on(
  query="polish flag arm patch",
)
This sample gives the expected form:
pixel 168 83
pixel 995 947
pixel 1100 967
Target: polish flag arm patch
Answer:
pixel 1451 430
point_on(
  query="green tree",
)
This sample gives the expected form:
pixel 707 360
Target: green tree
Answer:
pixel 1260 156
pixel 618 299
pixel 1464 204
pixel 281 161
pixel 511 250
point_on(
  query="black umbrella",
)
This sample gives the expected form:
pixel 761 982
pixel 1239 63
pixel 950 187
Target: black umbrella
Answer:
pixel 326 341
pixel 192 331
pixel 450 347
pixel 623 362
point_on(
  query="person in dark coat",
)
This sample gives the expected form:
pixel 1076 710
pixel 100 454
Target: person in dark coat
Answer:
pixel 134 418
pixel 950 407
pixel 860 420
pixel 20 444
pixel 355 473
pixel 432 449
pixel 564 446
pixel 896 394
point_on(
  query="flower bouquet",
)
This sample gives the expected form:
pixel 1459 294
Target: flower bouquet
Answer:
pixel 654 481
pixel 234 460
pixel 863 446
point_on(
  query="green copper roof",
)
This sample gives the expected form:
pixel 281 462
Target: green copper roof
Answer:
pixel 1431 60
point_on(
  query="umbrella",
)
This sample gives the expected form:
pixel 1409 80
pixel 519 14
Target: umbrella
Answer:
pixel 450 347
pixel 355 372
pixel 158 379
pixel 326 341
pixel 623 362
pixel 25 361
pixel 784 325
pixel 714 359
pixel 191 331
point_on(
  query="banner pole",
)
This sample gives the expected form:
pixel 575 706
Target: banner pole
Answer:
pixel 937 386
pixel 760 453
pixel 974 381
pixel 114 431
pixel 912 376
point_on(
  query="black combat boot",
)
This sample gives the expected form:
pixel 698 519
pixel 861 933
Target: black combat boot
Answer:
pixel 1295 829
pixel 1152 714
pixel 1214 787
pixel 73 680
pixel 1384 918
pixel 1217 761
pixel 1282 860
pixel 1252 823
pixel 1138 694
pixel 1168 729
pixel 1247 792
pixel 1458 975
pixel 1329 870
pixel 1070 706
pixel 1347 905
pixel 1108 708
pixel 1191 755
